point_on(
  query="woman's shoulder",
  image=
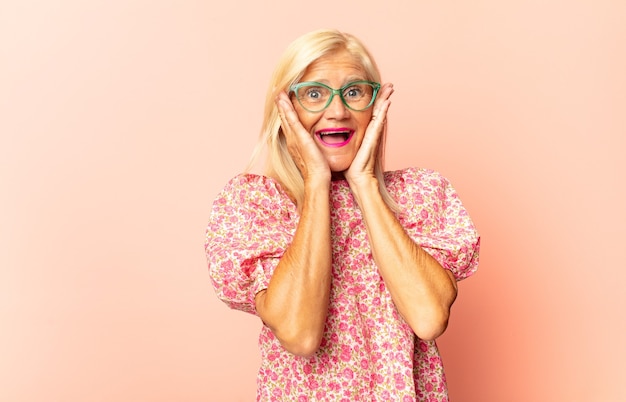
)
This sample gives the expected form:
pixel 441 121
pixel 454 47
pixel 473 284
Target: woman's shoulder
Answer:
pixel 250 187
pixel 253 182
pixel 415 176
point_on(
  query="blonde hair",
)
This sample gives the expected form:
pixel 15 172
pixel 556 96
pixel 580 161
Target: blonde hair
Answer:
pixel 291 67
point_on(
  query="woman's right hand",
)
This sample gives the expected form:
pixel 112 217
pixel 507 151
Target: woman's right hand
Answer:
pixel 300 143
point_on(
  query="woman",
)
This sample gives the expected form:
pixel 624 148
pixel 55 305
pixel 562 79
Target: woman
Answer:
pixel 352 270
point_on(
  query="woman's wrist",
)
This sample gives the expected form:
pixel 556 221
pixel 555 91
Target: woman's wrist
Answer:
pixel 317 186
pixel 363 188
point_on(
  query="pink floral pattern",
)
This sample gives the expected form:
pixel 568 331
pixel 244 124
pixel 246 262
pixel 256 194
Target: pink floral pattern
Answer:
pixel 368 352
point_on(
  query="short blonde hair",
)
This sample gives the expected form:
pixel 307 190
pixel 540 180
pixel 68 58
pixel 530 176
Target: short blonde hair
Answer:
pixel 298 56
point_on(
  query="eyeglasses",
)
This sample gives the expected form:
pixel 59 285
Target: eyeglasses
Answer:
pixel 315 96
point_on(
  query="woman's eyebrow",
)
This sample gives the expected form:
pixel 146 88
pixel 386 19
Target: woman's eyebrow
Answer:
pixel 355 78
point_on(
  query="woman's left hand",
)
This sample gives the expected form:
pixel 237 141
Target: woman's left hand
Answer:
pixel 362 167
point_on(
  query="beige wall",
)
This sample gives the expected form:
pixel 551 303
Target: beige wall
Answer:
pixel 120 121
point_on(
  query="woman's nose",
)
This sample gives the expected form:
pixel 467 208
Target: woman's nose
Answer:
pixel 337 109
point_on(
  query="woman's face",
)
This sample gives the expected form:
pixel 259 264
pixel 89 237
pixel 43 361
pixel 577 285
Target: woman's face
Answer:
pixel 329 127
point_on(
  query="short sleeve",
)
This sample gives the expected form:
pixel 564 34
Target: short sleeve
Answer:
pixel 435 218
pixel 250 226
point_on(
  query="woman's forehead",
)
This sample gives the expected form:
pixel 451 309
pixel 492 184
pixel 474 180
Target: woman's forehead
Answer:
pixel 339 64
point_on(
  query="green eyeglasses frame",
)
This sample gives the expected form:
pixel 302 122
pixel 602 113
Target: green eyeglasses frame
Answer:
pixel 375 86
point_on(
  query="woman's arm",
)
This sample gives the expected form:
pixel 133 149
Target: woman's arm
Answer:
pixel 422 290
pixel 295 304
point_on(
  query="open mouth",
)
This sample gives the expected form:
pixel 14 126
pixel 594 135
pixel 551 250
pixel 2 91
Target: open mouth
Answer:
pixel 335 137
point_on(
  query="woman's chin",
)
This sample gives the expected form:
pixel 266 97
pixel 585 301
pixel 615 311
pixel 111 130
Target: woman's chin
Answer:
pixel 339 165
pixel 338 170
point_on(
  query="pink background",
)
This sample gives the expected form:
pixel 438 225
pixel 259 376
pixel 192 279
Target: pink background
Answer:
pixel 120 121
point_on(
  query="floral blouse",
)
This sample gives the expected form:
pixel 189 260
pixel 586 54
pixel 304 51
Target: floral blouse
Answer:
pixel 368 352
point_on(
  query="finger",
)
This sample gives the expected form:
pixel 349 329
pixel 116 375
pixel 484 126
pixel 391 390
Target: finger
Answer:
pixel 379 116
pixel 375 128
pixel 289 119
pixel 384 93
pixel 295 135
pixel 284 112
pixel 379 113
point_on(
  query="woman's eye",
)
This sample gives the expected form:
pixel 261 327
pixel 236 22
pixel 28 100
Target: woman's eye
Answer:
pixel 314 93
pixel 353 92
